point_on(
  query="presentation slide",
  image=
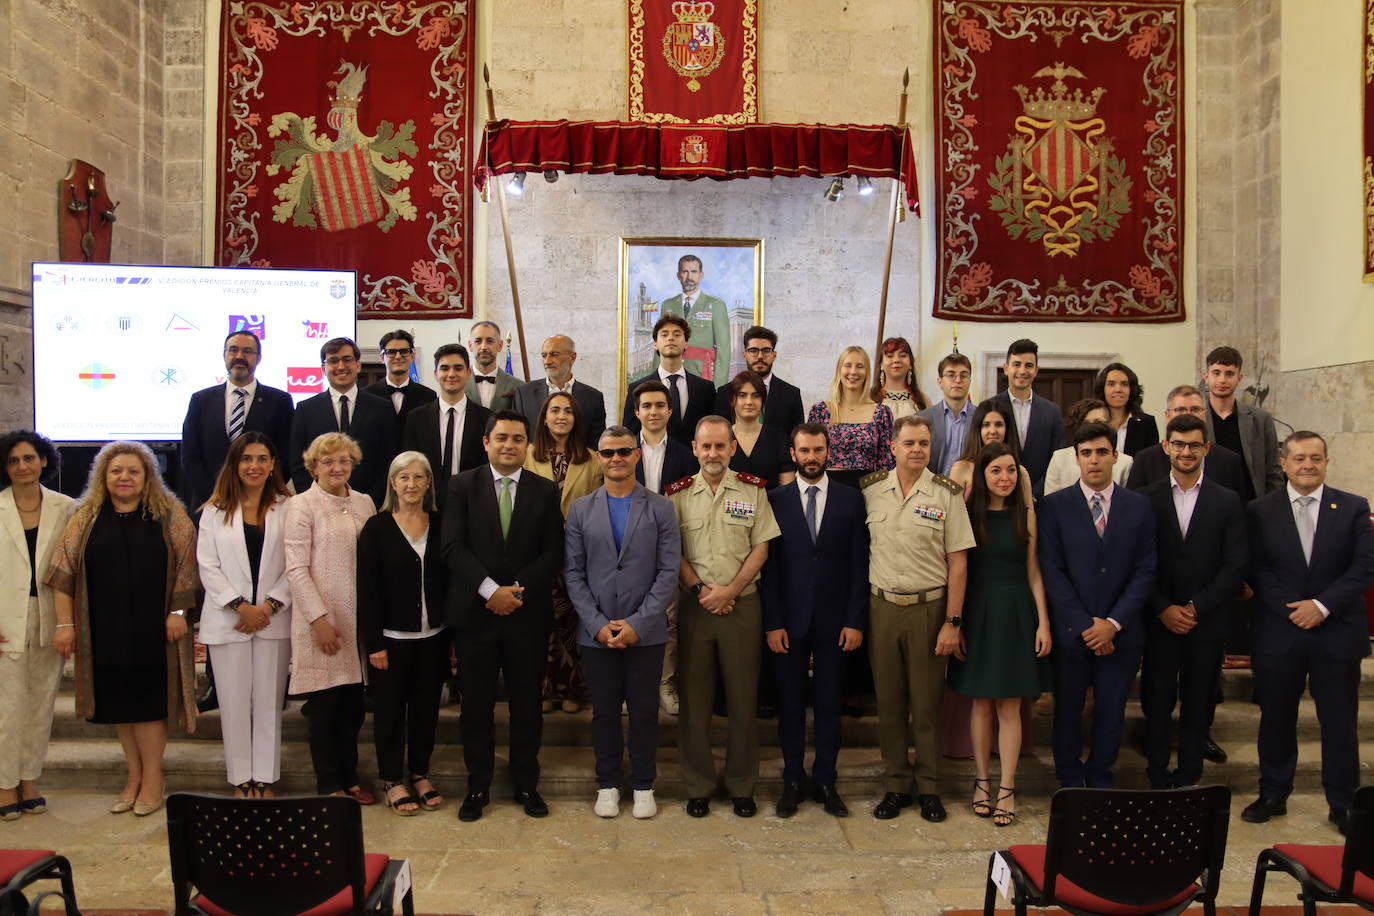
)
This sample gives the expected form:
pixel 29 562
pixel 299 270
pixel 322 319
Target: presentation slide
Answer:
pixel 118 350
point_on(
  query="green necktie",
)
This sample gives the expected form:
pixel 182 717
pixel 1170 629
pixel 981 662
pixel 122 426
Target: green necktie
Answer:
pixel 504 506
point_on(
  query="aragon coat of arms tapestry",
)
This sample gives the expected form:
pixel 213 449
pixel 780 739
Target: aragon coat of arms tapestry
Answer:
pixel 343 142
pixel 1059 130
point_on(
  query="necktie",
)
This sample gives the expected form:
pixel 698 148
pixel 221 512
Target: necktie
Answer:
pixel 1306 530
pixel 343 413
pixel 811 511
pixel 674 399
pixel 240 414
pixel 1099 516
pixel 503 506
pixel 448 439
pixel 485 379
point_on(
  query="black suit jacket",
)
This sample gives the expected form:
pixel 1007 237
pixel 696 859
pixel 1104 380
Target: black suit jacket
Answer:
pixel 474 549
pixel 1222 466
pixel 678 462
pixel 413 395
pixel 822 587
pixel 530 398
pixel 1342 568
pixel 1209 565
pixel 701 397
pixel 204 441
pixel 1044 436
pixel 389 580
pixel 422 435
pixel 1141 432
pixel 371 423
pixel 782 411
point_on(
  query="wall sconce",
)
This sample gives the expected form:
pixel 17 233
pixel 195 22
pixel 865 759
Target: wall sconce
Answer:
pixel 516 185
pixel 835 191
pixel 865 186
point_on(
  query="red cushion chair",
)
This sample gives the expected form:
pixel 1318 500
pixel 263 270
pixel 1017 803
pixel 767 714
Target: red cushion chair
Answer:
pixel 1114 852
pixel 21 867
pixel 1327 874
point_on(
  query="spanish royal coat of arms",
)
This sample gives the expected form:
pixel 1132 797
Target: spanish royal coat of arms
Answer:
pixel 693 45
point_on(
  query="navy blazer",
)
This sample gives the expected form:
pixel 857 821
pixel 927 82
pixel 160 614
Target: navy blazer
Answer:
pixel 1044 436
pixel 635 583
pixel 678 462
pixel 783 410
pixel 205 441
pixel 701 397
pixel 819 587
pixel 1086 576
pixel 371 423
pixel 1209 565
pixel 1222 466
pixel 1342 569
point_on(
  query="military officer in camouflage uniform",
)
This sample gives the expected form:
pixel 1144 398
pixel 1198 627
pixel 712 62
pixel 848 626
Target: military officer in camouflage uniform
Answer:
pixel 919 535
pixel 726 522
pixel 708 354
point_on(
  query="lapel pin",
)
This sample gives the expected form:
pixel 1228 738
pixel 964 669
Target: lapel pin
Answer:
pixel 1333 505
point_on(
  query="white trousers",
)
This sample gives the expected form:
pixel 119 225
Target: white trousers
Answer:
pixel 29 675
pixel 250 681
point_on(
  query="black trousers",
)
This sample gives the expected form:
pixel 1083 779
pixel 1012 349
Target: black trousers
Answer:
pixel 1182 671
pixel 516 650
pixel 336 716
pixel 628 676
pixel 405 703
pixel 828 680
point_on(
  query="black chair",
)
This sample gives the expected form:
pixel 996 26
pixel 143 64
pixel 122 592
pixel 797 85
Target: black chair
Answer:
pixel 1327 874
pixel 1125 852
pixel 276 857
pixel 21 867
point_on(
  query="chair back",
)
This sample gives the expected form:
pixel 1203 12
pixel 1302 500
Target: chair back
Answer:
pixel 1137 847
pixel 1358 858
pixel 267 857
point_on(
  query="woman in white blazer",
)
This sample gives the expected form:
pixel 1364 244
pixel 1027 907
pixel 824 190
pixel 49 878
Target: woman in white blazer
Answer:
pixel 30 668
pixel 246 620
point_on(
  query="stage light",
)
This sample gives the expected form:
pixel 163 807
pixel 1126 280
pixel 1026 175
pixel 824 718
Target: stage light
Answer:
pixel 835 191
pixel 550 175
pixel 516 185
pixel 865 186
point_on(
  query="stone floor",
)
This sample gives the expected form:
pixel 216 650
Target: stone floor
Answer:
pixel 574 863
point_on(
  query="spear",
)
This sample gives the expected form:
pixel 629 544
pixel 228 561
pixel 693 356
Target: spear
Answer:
pixel 505 234
pixel 893 208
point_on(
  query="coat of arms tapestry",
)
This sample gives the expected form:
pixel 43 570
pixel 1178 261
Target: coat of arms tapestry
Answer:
pixel 1059 126
pixel 343 142
pixel 694 61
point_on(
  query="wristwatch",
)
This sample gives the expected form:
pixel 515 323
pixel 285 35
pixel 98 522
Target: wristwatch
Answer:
pixel 696 589
pixel 276 605
pixel 954 621
pixel 234 604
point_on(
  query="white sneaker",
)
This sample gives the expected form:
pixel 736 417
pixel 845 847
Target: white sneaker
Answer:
pixel 608 803
pixel 645 806
pixel 667 700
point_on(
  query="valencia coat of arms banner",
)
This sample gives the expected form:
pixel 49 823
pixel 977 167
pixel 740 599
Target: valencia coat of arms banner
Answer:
pixel 694 61
pixel 343 142
pixel 1059 126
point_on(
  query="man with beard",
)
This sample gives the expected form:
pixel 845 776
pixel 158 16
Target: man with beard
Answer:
pixel 784 408
pixel 689 396
pixel 490 386
pixel 707 317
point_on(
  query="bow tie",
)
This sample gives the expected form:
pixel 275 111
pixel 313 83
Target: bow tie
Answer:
pixel 489 379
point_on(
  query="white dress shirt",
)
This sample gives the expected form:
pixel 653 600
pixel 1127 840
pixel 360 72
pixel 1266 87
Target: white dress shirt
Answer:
pixel 651 456
pixel 554 389
pixel 352 393
pixel 679 383
pixel 250 390
pixel 1185 501
pixel 397 395
pixel 485 392
pixel 461 412
pixel 1313 511
pixel 1021 410
pixel 489 586
pixel 1121 435
pixel 822 490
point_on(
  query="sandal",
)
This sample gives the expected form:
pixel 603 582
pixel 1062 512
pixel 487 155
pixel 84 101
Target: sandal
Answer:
pixel 982 808
pixel 1003 817
pixel 244 790
pixel 36 805
pixel 262 790
pixel 395 803
pixel 10 812
pixel 431 800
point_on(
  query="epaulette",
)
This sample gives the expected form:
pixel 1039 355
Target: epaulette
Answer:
pixel 750 478
pixel 952 486
pixel 679 485
pixel 870 479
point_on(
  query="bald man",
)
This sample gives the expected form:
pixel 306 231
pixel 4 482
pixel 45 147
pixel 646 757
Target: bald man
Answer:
pixel 558 354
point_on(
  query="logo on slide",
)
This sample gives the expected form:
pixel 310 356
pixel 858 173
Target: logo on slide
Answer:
pixel 304 379
pixel 125 324
pixel 337 288
pixel 178 323
pixel 253 324
pixel 68 324
pixel 96 375
pixel 168 376
pixel 317 329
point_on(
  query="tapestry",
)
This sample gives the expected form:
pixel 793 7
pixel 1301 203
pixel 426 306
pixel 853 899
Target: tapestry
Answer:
pixel 693 61
pixel 1059 126
pixel 343 143
pixel 1367 98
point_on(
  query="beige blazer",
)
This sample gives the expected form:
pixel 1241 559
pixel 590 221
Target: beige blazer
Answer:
pixel 582 478
pixel 14 567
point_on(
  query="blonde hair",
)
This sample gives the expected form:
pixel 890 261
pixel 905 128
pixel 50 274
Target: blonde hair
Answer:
pixel 836 389
pixel 398 464
pixel 158 501
pixel 327 444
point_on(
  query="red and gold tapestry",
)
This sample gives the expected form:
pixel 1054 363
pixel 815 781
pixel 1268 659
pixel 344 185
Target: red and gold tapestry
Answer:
pixel 343 142
pixel 1368 114
pixel 1059 126
pixel 694 61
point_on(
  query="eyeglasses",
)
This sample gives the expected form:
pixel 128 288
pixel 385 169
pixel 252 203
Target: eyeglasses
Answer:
pixel 1195 411
pixel 398 351
pixel 341 360
pixel 624 452
pixel 240 351
pixel 956 376
pixel 1193 447
pixel 341 461
pixel 759 351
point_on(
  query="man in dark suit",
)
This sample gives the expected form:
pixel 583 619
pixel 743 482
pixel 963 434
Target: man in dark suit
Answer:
pixel 448 431
pixel 1223 466
pixel 784 408
pixel 689 396
pixel 1097 557
pixel 1311 560
pixel 398 353
pixel 815 605
pixel 1246 430
pixel 1039 422
pixel 1201 549
pixel 344 408
pixel 490 385
pixel 503 544
pixel 558 354
pixel 219 414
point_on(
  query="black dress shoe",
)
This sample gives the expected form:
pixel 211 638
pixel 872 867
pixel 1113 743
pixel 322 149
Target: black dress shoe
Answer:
pixel 891 805
pixel 471 808
pixel 790 799
pixel 698 807
pixel 1341 817
pixel 931 808
pixel 744 806
pixel 534 805
pixel 827 796
pixel 1261 809
pixel 1213 752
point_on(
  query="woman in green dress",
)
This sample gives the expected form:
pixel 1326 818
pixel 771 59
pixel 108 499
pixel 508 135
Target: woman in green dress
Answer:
pixel 1005 638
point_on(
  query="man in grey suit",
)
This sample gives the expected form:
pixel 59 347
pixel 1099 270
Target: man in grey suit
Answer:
pixel 558 354
pixel 1247 431
pixel 950 416
pixel 1039 421
pixel 622 549
pixel 490 386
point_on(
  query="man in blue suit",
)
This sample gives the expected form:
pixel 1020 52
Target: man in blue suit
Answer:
pixel 1039 421
pixel 622 549
pixel 1097 557
pixel 815 604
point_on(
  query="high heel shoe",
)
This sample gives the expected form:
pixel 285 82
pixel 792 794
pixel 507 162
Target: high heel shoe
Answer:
pixel 1003 817
pixel 395 803
pixel 983 807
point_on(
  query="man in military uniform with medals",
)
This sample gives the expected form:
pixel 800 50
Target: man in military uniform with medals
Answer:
pixel 708 354
pixel 919 535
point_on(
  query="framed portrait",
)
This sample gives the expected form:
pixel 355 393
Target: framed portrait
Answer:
pixel 716 284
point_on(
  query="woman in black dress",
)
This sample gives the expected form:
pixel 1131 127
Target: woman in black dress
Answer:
pixel 760 450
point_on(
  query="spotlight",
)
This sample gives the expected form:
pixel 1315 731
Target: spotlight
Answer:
pixel 865 186
pixel 516 185
pixel 835 191
pixel 550 175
